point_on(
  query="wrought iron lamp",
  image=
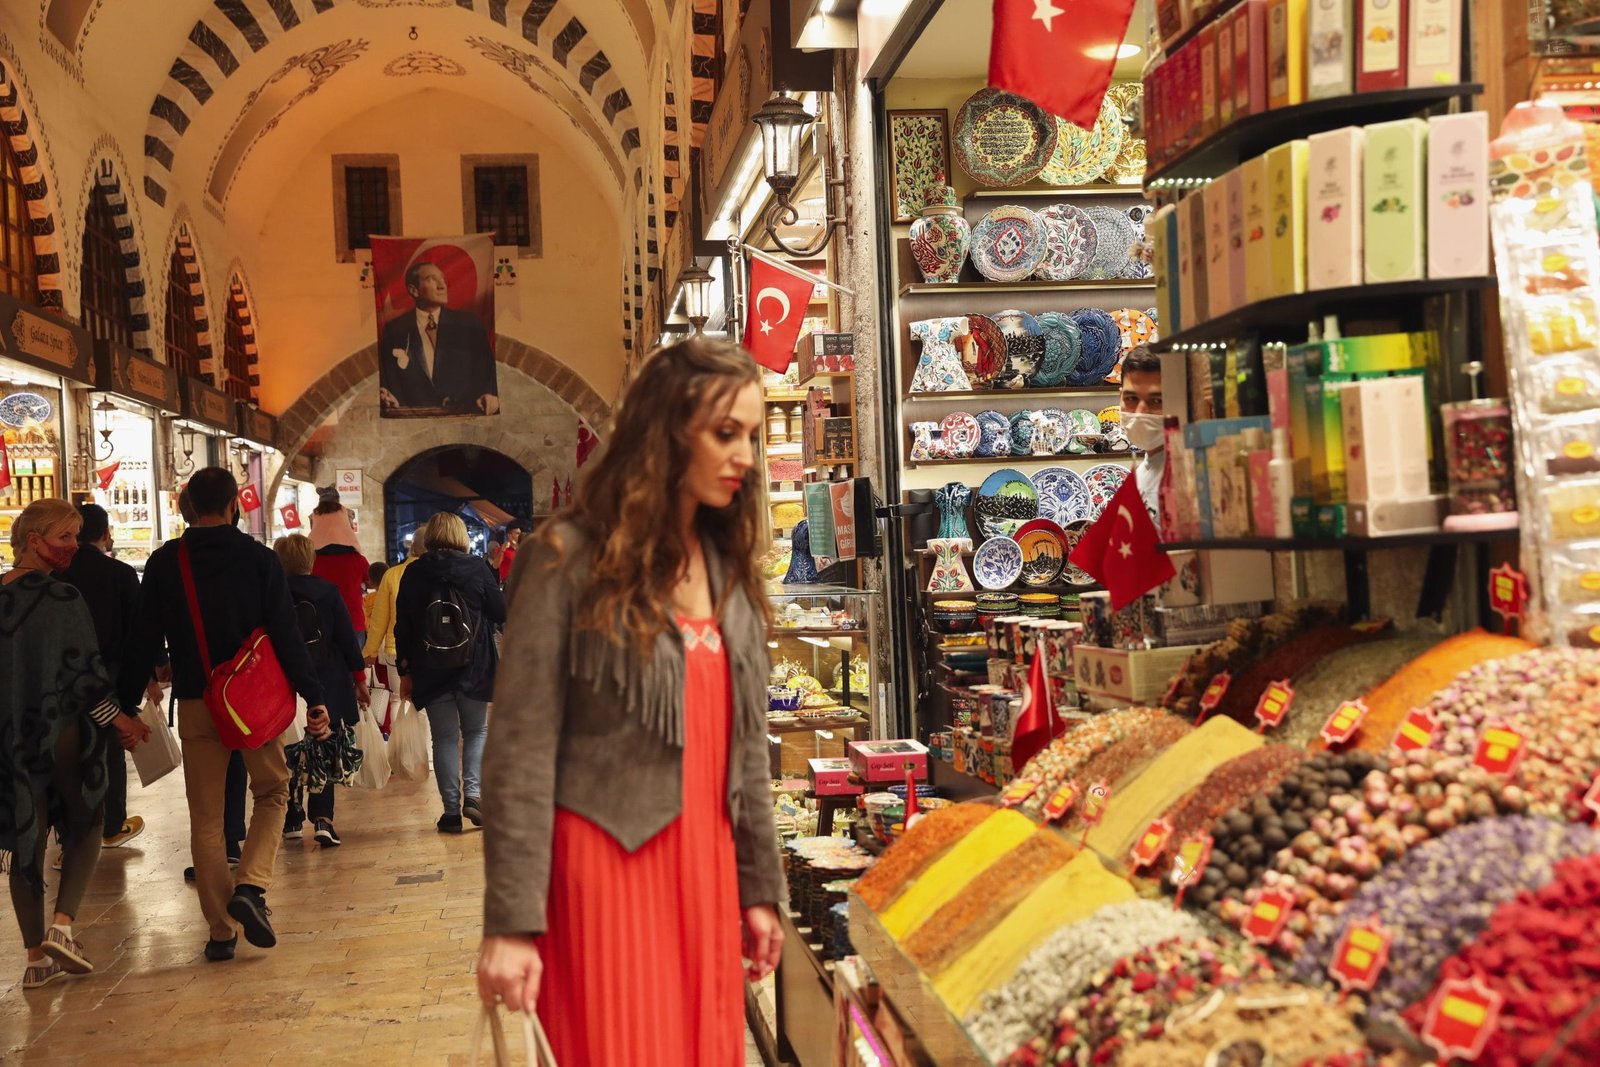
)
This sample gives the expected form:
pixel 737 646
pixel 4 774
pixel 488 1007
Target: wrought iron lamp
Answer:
pixel 783 121
pixel 103 449
pixel 696 282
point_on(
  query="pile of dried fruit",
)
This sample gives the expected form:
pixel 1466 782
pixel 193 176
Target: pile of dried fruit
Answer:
pixel 1065 757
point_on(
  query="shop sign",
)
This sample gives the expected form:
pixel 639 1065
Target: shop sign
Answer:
pixel 1361 955
pixel 1273 705
pixel 1148 848
pixel 1416 730
pixel 1269 916
pixel 256 425
pixel 45 341
pixel 348 483
pixel 1499 748
pixel 121 370
pixel 290 516
pixel 1461 1017
pixel 1344 722
pixel 1060 801
pixel 210 406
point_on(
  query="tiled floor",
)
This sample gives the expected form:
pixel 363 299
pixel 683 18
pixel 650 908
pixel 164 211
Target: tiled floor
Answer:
pixel 376 942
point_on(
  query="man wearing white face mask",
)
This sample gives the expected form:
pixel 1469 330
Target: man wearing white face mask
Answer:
pixel 1143 422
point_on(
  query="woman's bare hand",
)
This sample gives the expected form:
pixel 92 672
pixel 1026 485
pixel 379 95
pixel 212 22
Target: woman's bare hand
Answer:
pixel 509 971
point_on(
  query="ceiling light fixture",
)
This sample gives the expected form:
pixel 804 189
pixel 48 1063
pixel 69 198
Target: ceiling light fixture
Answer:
pixel 413 33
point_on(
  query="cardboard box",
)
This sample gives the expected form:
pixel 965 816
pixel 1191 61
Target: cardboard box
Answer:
pixel 1250 57
pixel 1198 266
pixel 1382 30
pixel 822 352
pixel 1333 209
pixel 885 761
pixel 1135 676
pixel 1392 196
pixel 1257 246
pixel 1286 53
pixel 1458 195
pixel 1233 183
pixel 831 778
pixel 1226 100
pixel 1434 48
pixel 1286 184
pixel 1330 33
pixel 1162 228
pixel 1218 278
pixel 1206 41
pixel 1387 517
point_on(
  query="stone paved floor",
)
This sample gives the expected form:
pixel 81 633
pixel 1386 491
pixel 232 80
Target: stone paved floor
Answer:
pixel 376 942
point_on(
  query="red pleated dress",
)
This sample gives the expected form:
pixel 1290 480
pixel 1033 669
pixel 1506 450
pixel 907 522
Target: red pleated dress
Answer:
pixel 642 958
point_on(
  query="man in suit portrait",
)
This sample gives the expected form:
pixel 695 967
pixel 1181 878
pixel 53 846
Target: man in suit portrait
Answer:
pixel 434 359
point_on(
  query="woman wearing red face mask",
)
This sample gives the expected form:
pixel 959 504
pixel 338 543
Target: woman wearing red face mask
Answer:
pixel 56 701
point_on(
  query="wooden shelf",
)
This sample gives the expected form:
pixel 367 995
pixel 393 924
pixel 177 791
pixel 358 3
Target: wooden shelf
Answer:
pixel 1294 311
pixel 932 288
pixel 1057 192
pixel 790 631
pixel 1254 134
pixel 1001 394
pixel 1349 544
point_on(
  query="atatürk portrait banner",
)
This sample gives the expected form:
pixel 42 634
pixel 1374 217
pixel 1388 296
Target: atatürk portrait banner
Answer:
pixel 435 298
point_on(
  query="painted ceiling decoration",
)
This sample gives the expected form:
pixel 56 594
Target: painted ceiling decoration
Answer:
pixel 413 63
pixel 233 30
pixel 35 190
pixel 707 25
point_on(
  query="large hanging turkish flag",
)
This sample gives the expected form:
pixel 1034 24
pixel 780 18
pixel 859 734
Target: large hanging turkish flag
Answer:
pixel 778 303
pixel 1058 53
pixel 1121 549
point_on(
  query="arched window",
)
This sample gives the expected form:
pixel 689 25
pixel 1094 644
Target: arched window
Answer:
pixel 103 279
pixel 183 339
pixel 235 356
pixel 18 274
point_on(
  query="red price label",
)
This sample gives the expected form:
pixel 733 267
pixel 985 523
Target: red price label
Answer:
pixel 1499 748
pixel 1190 862
pixel 1094 803
pixel 1061 801
pixel 1274 704
pixel 1172 690
pixel 1508 591
pixel 1269 916
pixel 1018 791
pixel 1214 694
pixel 1344 722
pixel 1148 848
pixel 1461 1016
pixel 1361 955
pixel 1416 730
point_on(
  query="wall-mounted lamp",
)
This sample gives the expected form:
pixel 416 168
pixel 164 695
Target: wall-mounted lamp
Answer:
pixel 413 33
pixel 182 440
pixel 696 282
pixel 104 412
pixel 783 121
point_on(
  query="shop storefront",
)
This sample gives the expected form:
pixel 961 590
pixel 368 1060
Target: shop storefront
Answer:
pixel 43 358
pixel 296 497
pixel 200 438
pixel 254 451
pixel 124 468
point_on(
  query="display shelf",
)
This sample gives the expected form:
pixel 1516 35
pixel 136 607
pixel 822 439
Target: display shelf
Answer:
pixel 959 784
pixel 1007 461
pixel 811 728
pixel 1348 544
pixel 789 631
pixel 1094 189
pixel 1294 311
pixel 804 995
pixel 1178 40
pixel 1254 134
pixel 1002 394
pixel 932 288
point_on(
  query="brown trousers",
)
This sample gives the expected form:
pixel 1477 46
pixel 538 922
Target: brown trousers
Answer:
pixel 205 772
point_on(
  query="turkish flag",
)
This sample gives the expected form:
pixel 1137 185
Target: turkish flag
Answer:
pixel 1121 549
pixel 5 464
pixel 1058 53
pixel 1038 724
pixel 249 498
pixel 107 473
pixel 778 303
pixel 291 517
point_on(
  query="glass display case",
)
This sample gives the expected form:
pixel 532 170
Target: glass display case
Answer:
pixel 821 693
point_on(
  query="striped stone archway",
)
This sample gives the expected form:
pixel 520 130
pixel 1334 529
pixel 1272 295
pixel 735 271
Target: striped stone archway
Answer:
pixel 239 307
pixel 42 225
pixel 183 248
pixel 107 180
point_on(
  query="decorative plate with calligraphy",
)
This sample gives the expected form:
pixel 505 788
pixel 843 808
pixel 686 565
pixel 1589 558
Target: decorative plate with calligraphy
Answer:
pixel 1070 239
pixel 1002 139
pixel 1082 156
pixel 961 434
pixel 1008 244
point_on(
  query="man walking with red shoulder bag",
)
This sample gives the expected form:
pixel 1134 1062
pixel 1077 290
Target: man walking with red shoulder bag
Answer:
pixel 238 587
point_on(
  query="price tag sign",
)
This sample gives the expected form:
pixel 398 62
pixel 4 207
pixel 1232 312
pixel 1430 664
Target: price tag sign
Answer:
pixel 1274 705
pixel 1148 848
pixel 1094 803
pixel 1269 916
pixel 1060 801
pixel 1018 791
pixel 1416 729
pixel 1499 748
pixel 1361 955
pixel 1344 722
pixel 1190 862
pixel 1172 690
pixel 1461 1017
pixel 1508 593
pixel 1214 694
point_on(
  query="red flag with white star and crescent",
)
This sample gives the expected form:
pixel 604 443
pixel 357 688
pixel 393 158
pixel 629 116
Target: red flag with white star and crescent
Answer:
pixel 1122 550
pixel 778 304
pixel 1058 53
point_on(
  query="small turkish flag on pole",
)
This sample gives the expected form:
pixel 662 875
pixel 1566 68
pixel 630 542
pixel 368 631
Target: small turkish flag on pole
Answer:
pixel 291 517
pixel 778 303
pixel 1058 53
pixel 1121 549
pixel 5 465
pixel 105 475
pixel 1038 724
pixel 249 498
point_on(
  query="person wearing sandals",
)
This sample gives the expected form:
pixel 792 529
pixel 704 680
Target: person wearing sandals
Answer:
pixel 631 857
pixel 335 653
pixel 57 711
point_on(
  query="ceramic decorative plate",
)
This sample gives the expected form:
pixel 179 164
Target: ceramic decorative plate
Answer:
pixel 1050 432
pixel 994 434
pixel 1044 551
pixel 1008 243
pixel 983 350
pixel 1140 266
pixel 1082 156
pixel 1084 426
pixel 1136 327
pixel 1005 501
pixel 1128 167
pixel 998 563
pixel 1109 417
pixel 1022 433
pixel 1103 482
pixel 1063 496
pixel 1063 347
pixel 1072 574
pixel 1114 235
pixel 1024 347
pixel 1102 345
pixel 1002 139
pixel 1070 240
pixel 961 434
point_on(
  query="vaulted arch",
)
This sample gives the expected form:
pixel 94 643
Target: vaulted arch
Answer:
pixel 241 360
pixel 186 283
pixel 24 141
pixel 106 190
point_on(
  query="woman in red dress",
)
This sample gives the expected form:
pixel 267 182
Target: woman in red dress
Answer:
pixel 630 851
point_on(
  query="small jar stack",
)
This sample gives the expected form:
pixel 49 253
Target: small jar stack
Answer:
pixel 1441 894
pixel 1224 789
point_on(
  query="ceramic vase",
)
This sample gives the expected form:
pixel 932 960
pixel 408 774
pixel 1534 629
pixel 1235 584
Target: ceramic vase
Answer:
pixel 949 572
pixel 940 237
pixel 802 565
pixel 952 501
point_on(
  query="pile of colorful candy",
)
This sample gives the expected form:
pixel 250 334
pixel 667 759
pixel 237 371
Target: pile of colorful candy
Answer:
pixel 1128 757
pixel 1065 757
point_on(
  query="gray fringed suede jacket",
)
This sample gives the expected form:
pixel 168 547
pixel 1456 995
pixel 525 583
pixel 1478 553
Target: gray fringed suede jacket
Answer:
pixel 582 724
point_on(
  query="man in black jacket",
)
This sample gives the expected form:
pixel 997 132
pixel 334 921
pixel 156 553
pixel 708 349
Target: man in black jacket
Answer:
pixel 111 590
pixel 240 586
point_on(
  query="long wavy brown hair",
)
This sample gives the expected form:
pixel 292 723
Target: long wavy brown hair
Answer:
pixel 629 498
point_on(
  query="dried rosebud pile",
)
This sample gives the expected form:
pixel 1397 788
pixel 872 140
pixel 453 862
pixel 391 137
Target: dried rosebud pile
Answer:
pixel 1440 895
pixel 1291 1024
pixel 1561 745
pixel 1508 689
pixel 1541 952
pixel 1130 1001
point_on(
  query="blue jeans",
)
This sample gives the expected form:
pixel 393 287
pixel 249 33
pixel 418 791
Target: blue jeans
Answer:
pixel 452 717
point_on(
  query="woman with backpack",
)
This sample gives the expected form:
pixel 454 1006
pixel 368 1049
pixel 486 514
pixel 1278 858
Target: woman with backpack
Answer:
pixel 445 614
pixel 330 637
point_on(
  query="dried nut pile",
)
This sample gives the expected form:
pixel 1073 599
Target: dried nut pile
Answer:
pixel 1291 1024
pixel 1440 895
pixel 918 847
pixel 1224 789
pixel 1058 971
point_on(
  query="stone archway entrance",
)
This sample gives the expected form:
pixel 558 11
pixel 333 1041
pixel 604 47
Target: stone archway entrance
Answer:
pixel 487 488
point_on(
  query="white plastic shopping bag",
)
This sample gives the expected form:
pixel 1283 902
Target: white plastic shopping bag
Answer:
pixel 160 755
pixel 374 772
pixel 409 742
pixel 383 704
pixel 295 732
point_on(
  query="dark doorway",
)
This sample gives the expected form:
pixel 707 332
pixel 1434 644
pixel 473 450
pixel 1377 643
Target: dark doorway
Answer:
pixel 484 487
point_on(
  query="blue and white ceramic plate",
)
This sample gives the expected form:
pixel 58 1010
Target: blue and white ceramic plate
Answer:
pixel 1005 501
pixel 1063 496
pixel 1009 243
pixel 998 563
pixel 1052 432
pixel 994 434
pixel 1070 239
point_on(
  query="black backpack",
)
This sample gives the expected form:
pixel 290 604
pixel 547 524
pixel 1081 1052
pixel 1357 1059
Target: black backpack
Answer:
pixel 447 631
pixel 310 620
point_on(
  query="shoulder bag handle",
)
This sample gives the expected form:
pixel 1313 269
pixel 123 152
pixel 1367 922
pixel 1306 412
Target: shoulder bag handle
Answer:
pixel 187 571
pixel 535 1045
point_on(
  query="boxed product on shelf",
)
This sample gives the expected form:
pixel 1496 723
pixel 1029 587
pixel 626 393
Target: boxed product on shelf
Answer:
pixel 1236 576
pixel 1206 43
pixel 1286 184
pixel 1249 20
pixel 1395 209
pixel 1385 426
pixel 823 352
pixel 1286 52
pixel 1257 247
pixel 1233 184
pixel 1434 46
pixel 1225 64
pixel 1329 36
pixel 1132 676
pixel 884 761
pixel 1162 230
pixel 1218 278
pixel 1333 209
pixel 831 778
pixel 1385 518
pixel 1458 195
pixel 1382 31
pixel 1192 297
